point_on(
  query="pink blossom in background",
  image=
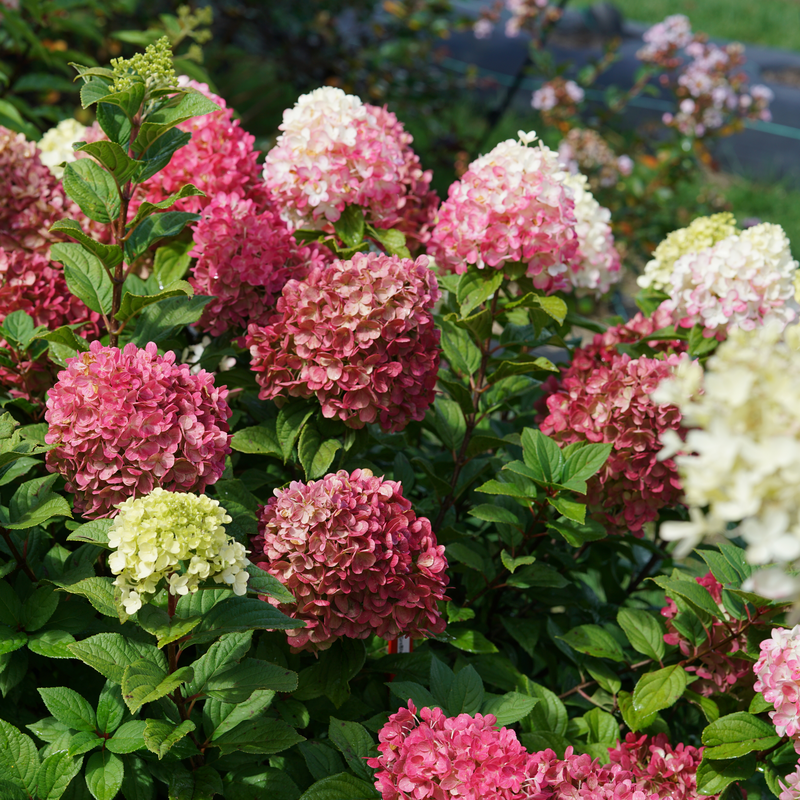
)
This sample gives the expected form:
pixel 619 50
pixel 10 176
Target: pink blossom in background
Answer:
pixel 604 396
pixel 335 151
pixel 664 39
pixel 716 671
pixel 245 255
pixel 358 335
pixel 778 679
pixel 356 557
pixel 510 206
pixel 126 421
pixel 31 199
pixel 220 157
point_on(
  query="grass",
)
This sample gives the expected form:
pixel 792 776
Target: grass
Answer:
pixel 773 23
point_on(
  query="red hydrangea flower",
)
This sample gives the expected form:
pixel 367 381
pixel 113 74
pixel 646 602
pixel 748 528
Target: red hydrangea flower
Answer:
pixel 335 150
pixel 669 772
pixel 357 334
pixel 219 157
pixel 31 199
pixel 126 421
pixel 437 757
pixel 717 671
pixel 245 254
pixel 356 557
pixel 604 396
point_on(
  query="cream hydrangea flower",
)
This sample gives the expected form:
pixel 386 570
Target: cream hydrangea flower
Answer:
pixel 55 147
pixel 698 235
pixel 177 536
pixel 740 467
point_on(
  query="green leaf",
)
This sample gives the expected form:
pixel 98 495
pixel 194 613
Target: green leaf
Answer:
pixel 737 734
pixel 19 759
pixel 475 287
pixel 10 605
pixel 291 419
pixel 111 653
pixel 511 563
pixel 577 534
pixel 392 241
pixel 636 722
pixel 464 554
pixel 34 503
pixel 155 228
pixel 509 708
pixel 190 104
pixel 594 641
pixel 340 787
pixel 67 706
pixel 171 263
pixel 165 628
pixel 159 154
pixel 203 783
pixel 38 608
pixel 554 307
pixel 159 736
pixel 543 455
pixel 93 189
pixel 569 508
pixel 538 575
pixel 713 777
pixel 709 708
pixel 698 597
pixel 521 366
pixel 114 122
pixel 264 583
pixel 549 714
pixel 461 352
pixel 450 423
pixel 491 513
pixel 94 532
pixel 316 455
pixel 700 345
pixel 659 689
pixel 228 650
pixel 147 208
pixel 18 328
pixel 133 303
pixel 110 708
pixel 113 158
pixel 643 631
pixel 51 644
pixel 603 728
pixel 143 682
pixel 224 717
pixel 261 439
pixel 410 690
pixel 350 226
pixel 55 774
pixel 259 735
pixel 355 743
pixel 585 462
pixel 109 254
pixel 161 320
pixel 238 614
pixel 472 642
pixel 237 682
pixel 11 640
pixel 466 694
pixel 104 773
pixel 525 632
pixel 128 100
pixel 84 742
pixel 86 277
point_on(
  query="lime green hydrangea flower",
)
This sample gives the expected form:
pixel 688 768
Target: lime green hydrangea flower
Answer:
pixel 698 235
pixel 154 67
pixel 176 536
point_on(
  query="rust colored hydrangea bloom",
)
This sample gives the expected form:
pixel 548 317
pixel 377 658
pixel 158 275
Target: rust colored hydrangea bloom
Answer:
pixel 356 557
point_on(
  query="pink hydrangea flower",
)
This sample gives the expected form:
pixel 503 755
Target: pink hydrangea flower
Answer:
pixel 778 679
pixel 433 756
pixel 31 199
pixel 335 151
pixel 356 557
pixel 220 157
pixel 357 334
pixel 511 206
pixel 660 768
pixel 604 396
pixel 245 254
pixel 791 789
pixel 127 421
pixel 717 671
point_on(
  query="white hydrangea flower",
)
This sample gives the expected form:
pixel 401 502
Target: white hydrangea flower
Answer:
pixel 598 261
pixel 55 147
pixel 739 282
pixel 174 536
pixel 741 458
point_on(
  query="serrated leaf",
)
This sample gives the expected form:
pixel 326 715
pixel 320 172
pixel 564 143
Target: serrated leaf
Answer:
pixel 471 642
pixel 161 320
pixel 128 100
pixel 594 641
pixel 51 644
pixel 316 455
pixel 166 629
pixel 128 738
pixel 38 608
pixel 355 743
pixel 241 614
pixel 264 583
pixel 569 508
pixel 657 690
pixel 392 241
pixel 109 254
pixel 261 439
pixel 86 277
pixel 104 773
pixel 584 462
pixel 340 787
pixel 19 759
pixel 94 532
pixel 154 228
pixel 147 208
pixel 713 777
pixel 291 419
pixel 110 708
pixel 643 631
pixel 461 352
pixel 521 366
pixel 491 513
pixel 99 591
pixel 466 694
pixel 511 563
pixel 48 506
pixel 475 287
pixel 542 454
pixel 237 682
pixel 160 153
pixel 350 225
pixel 191 104
pixel 144 682
pixel 69 707
pixel 737 734
pixel 111 155
pixel 111 653
pixel 55 774
pixel 132 304
pixel 160 736
pixel 410 690
pixel 259 735
pixel 93 189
